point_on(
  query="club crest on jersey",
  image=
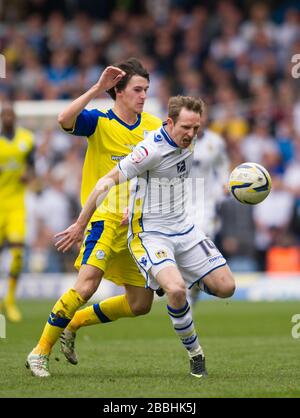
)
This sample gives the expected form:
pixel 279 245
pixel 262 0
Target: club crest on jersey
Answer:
pixel 161 254
pixel 139 154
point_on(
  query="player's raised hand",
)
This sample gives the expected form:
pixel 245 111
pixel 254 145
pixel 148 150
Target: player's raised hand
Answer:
pixel 109 78
pixel 69 237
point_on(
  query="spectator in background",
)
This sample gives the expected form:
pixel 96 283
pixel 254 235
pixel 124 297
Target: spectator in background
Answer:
pixel 53 200
pixel 258 143
pixel 272 218
pixel 236 237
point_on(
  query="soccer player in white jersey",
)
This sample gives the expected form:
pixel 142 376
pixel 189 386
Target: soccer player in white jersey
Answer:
pixel 210 166
pixel 170 251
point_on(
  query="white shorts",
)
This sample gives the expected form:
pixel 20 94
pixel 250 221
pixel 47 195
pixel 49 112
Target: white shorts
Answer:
pixel 194 256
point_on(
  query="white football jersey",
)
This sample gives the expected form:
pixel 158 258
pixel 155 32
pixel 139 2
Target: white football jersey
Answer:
pixel 158 194
pixel 211 166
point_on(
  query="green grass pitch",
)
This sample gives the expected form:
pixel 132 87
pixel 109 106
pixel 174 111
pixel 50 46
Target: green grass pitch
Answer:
pixel 249 349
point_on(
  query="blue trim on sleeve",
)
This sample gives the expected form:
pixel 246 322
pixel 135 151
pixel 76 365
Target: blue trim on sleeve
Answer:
pixel 112 115
pixel 87 122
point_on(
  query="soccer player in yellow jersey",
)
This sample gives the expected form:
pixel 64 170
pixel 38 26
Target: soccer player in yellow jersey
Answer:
pixel 16 162
pixel 111 135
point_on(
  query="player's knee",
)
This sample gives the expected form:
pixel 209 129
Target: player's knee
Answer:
pixel 87 287
pixel 227 287
pixel 177 293
pixel 17 261
pixel 140 307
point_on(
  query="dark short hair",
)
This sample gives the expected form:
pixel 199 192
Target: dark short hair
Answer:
pixel 131 66
pixel 176 103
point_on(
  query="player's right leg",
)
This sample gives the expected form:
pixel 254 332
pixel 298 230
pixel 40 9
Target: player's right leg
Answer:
pixel 63 311
pixel 170 279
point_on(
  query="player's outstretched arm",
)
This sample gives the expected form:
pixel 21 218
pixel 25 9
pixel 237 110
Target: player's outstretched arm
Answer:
pixel 75 232
pixel 108 79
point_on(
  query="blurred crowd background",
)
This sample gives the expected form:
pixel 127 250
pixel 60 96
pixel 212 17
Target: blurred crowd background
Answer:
pixel 236 55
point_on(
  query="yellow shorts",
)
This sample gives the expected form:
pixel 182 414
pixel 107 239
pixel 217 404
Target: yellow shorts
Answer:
pixel 12 226
pixel 105 246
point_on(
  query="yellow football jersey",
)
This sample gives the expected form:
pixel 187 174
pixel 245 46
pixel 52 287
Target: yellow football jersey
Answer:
pixel 109 140
pixel 13 163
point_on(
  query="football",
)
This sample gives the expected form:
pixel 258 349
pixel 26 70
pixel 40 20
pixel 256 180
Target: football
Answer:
pixel 250 183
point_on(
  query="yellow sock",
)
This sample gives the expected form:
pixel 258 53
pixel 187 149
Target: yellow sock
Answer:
pixel 59 318
pixel 108 310
pixel 83 318
pixel 15 270
pixel 11 291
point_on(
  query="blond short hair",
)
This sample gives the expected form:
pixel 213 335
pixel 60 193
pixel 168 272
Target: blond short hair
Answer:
pixel 177 103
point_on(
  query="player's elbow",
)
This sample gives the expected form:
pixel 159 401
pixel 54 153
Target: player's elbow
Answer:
pixel 61 118
pixel 64 121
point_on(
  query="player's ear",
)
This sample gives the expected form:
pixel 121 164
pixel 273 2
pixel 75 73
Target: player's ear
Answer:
pixel 170 123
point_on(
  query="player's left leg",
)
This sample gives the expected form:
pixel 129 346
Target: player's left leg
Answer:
pixel 9 302
pixel 170 279
pixel 14 233
pixel 219 282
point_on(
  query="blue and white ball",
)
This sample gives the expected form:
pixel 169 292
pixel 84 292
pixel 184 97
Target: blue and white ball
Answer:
pixel 250 183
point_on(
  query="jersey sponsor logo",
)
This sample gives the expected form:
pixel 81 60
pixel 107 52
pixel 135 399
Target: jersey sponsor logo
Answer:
pixel 161 254
pixel 217 257
pixel 181 167
pixel 100 255
pixel 139 154
pixel 118 157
